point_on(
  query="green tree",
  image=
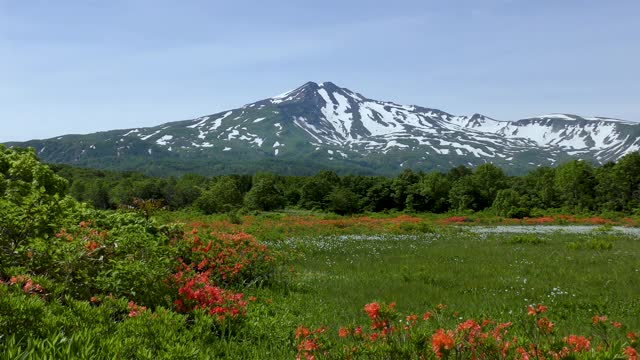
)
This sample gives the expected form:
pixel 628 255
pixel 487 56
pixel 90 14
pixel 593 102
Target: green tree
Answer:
pixel 315 189
pixel 220 197
pixel 342 201
pixel 464 195
pixel 431 193
pixel 539 186
pixel 98 195
pixel 379 196
pixel 266 194
pixel 575 182
pixel 185 191
pixel 618 184
pixel 510 203
pixel 488 179
pixel 458 172
pixel 32 202
pixel 401 185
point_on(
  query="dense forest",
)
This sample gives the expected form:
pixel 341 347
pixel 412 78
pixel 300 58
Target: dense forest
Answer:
pixel 573 187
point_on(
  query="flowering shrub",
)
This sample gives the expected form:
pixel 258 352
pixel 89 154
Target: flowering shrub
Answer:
pixel 229 259
pixel 197 291
pixel 456 220
pixel 213 262
pixel 310 343
pixel 134 309
pixel 539 220
pixel 28 285
pixel 389 335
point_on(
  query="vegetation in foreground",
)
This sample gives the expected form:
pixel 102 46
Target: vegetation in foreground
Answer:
pixel 80 283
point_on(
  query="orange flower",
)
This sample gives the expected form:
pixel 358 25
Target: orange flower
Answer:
pixel 545 325
pixel 411 319
pixel 302 332
pixel 91 245
pixel 343 332
pixel 442 341
pixel 468 325
pixel 631 353
pixel 580 343
pixel 372 310
pixel 524 355
pixel 134 309
pixel 426 316
pixel 358 330
pixel 309 345
pixel 599 319
pixel 533 311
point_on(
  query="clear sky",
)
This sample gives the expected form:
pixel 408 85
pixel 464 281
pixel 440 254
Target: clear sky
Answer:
pixel 89 65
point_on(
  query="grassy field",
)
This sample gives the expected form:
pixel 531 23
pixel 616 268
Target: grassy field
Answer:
pixel 491 275
pixel 418 265
pixel 330 267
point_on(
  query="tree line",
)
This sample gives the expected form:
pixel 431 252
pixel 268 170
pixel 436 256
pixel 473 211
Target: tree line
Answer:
pixel 575 186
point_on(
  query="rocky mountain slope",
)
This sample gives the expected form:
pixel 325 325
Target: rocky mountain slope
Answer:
pixel 323 126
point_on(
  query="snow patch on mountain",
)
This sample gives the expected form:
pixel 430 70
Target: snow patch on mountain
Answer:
pixel 556 116
pixel 217 122
pixel 149 136
pixel 200 122
pixel 163 140
pixel 326 117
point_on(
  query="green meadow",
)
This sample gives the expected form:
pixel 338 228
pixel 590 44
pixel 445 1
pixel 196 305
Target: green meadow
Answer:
pixel 326 281
pixel 142 283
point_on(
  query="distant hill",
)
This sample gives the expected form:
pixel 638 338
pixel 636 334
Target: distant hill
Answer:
pixel 322 126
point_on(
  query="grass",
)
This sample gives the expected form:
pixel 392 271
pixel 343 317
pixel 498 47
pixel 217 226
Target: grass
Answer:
pixel 486 275
pixel 338 264
pixel 333 266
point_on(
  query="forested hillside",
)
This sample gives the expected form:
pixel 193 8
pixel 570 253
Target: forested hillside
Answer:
pixel 575 186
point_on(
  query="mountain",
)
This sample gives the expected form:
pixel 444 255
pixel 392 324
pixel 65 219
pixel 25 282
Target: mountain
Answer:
pixel 323 126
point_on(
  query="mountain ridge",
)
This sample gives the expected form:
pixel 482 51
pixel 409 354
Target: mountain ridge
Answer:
pixel 320 126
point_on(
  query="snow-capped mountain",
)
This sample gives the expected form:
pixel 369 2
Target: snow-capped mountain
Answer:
pixel 323 126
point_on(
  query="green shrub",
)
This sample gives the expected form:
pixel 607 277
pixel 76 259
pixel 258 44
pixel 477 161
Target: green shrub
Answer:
pixel 593 244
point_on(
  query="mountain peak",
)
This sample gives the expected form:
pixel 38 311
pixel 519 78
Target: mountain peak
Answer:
pixel 328 84
pixel 332 126
pixel 306 90
pixel 558 116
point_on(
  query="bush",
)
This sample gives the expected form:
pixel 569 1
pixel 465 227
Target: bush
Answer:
pixel 32 203
pixel 265 194
pixel 342 201
pixel 221 197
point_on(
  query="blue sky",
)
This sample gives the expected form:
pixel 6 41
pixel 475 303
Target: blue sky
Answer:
pixel 85 66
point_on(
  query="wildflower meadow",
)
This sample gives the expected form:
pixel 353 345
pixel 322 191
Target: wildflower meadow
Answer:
pixel 144 283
